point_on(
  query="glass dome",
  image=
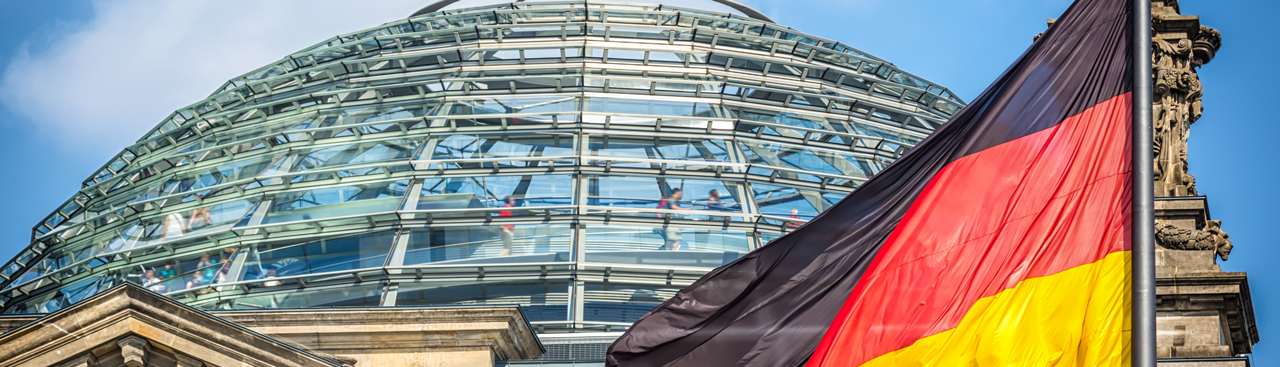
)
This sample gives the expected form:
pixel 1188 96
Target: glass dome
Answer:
pixel 583 160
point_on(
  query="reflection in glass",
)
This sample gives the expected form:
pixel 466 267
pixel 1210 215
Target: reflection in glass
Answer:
pixel 650 193
pixel 327 255
pixel 622 303
pixel 342 296
pixel 780 200
pixel 491 191
pixel 332 202
pixel 202 179
pixel 666 246
pixel 763 155
pixel 519 243
pixel 181 224
pixel 54 301
pixel 486 146
pixel 685 109
pixel 334 156
pixel 477 109
pixel 541 300
pixel 625 150
pixel 192 271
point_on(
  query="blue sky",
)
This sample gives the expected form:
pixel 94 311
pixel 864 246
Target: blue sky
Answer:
pixel 82 78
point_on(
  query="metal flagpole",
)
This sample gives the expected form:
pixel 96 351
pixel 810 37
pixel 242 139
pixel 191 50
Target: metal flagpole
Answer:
pixel 1144 254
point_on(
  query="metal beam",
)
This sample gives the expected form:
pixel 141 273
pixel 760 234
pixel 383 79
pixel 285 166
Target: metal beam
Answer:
pixel 1144 255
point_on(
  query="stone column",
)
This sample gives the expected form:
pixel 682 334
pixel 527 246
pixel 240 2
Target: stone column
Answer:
pixel 134 350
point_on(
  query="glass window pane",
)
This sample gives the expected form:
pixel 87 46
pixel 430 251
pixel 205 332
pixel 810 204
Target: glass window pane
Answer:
pixel 622 303
pixel 652 192
pixel 763 155
pixel 186 272
pixel 345 296
pixel 541 300
pixel 508 105
pixel 668 246
pixel 492 191
pixel 639 152
pixel 489 146
pixel 792 202
pixel 492 244
pixel 327 255
pixel 335 156
pixel 202 179
pixel 332 202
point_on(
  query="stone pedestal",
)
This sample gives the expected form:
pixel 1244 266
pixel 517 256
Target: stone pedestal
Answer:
pixel 1204 315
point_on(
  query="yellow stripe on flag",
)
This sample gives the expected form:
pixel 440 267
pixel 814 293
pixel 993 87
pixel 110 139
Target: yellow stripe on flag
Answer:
pixel 1078 317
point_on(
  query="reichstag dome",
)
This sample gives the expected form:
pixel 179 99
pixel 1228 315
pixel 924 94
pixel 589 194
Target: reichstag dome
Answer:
pixel 583 159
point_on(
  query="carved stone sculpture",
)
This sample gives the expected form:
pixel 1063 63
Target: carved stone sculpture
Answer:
pixel 1212 237
pixel 1180 45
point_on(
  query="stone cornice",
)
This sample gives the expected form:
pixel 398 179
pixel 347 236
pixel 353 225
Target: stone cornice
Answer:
pixel 130 310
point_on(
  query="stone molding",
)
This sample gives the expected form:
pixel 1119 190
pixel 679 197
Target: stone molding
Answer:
pixel 129 310
pixel 187 361
pixel 130 325
pixel 84 360
pixel 499 332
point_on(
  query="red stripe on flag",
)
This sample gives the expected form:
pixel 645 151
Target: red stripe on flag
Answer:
pixel 1032 207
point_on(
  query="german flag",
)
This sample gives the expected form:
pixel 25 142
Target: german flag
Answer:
pixel 1001 240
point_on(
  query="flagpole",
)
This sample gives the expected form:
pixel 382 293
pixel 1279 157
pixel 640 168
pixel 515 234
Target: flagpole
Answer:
pixel 1144 254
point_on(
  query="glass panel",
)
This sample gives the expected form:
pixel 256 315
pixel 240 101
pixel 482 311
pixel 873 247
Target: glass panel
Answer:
pixel 871 130
pixel 191 271
pixel 541 300
pixel 272 260
pixel 654 107
pixel 761 154
pixel 57 300
pixel 791 202
pixel 201 179
pixel 492 244
pixel 507 105
pixel 492 191
pixel 345 296
pixel 331 202
pixel 488 146
pixel 623 303
pixel 29 275
pixel 335 156
pixel 629 151
pixel 665 246
pixel 193 223
pixel 668 193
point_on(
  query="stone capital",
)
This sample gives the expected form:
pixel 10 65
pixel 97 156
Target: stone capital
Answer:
pixel 134 350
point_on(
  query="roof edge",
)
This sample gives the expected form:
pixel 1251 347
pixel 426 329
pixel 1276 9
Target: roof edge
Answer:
pixel 754 14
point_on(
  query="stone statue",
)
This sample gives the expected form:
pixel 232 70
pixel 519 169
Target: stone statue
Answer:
pixel 1179 46
pixel 1212 237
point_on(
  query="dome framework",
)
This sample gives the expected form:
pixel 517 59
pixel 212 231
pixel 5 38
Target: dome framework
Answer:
pixel 523 153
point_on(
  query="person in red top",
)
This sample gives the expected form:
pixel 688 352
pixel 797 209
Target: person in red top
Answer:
pixel 797 220
pixel 507 230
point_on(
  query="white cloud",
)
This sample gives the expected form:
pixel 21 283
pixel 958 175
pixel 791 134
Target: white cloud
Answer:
pixel 99 85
